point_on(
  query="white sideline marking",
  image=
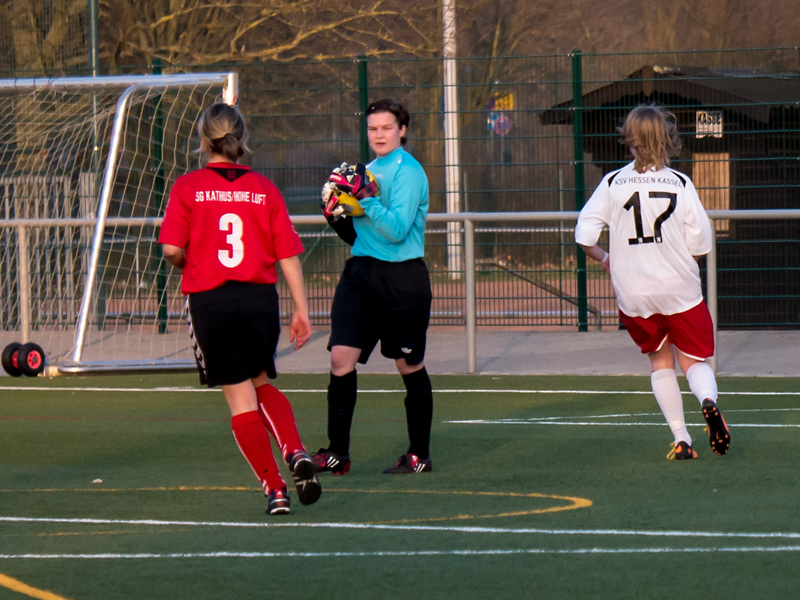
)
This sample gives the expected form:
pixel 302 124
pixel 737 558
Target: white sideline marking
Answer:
pixel 438 528
pixel 565 420
pixel 653 414
pixel 593 424
pixel 400 553
pixel 324 391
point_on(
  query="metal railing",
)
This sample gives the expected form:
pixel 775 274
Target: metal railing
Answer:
pixel 469 219
pixel 468 222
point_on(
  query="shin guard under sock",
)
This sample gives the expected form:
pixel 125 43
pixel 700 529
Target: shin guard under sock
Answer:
pixel 702 381
pixel 419 411
pixel 276 413
pixel 668 396
pixel 253 441
pixel 342 391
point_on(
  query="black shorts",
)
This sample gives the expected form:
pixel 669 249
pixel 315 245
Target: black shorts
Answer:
pixel 234 330
pixel 380 300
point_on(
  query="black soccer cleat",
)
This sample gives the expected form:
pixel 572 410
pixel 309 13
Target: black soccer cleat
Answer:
pixel 681 451
pixel 304 473
pixel 325 460
pixel 718 434
pixel 278 502
pixel 410 463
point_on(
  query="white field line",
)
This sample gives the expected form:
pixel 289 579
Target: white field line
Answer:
pixel 407 527
pixel 595 424
pixel 653 414
pixel 398 391
pixel 566 420
pixel 400 553
pixel 531 421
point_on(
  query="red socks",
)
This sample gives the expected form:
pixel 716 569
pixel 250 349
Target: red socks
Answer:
pixel 253 441
pixel 278 418
pixel 250 431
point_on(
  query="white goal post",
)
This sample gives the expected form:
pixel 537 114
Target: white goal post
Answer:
pixel 86 164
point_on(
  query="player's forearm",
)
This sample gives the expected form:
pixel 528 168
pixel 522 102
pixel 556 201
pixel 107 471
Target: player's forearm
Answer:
pixel 174 255
pixel 293 274
pixel 595 252
pixel 394 226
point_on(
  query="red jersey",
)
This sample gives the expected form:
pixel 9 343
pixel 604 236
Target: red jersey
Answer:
pixel 232 224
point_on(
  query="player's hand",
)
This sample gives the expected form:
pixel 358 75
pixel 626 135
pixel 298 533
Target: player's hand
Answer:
pixel 345 180
pixel 606 264
pixel 299 329
pixel 331 209
pixel 354 180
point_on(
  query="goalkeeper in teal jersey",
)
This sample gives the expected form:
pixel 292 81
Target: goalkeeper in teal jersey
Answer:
pixel 384 293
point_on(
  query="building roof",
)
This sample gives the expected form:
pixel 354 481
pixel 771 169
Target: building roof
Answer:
pixel 749 92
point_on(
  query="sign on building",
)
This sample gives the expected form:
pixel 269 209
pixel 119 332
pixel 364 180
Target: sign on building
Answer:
pixel 708 123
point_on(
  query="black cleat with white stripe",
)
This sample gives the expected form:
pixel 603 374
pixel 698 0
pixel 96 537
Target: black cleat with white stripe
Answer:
pixel 305 478
pixel 325 460
pixel 410 463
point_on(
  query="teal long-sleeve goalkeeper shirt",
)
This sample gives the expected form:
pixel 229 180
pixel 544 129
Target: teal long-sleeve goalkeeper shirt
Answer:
pixel 393 228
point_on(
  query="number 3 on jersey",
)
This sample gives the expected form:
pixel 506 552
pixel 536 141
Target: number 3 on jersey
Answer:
pixel 231 224
pixel 634 203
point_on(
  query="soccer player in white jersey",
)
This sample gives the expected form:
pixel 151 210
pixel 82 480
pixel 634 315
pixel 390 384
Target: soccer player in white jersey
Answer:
pixel 657 231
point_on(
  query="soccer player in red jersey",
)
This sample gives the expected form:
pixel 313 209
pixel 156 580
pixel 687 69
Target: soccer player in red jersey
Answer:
pixel 658 230
pixel 225 227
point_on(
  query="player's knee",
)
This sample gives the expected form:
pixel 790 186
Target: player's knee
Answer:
pixel 260 379
pixel 663 358
pixel 343 360
pixel 407 369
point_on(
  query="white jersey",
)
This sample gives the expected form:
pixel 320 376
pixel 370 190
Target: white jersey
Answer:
pixel 656 226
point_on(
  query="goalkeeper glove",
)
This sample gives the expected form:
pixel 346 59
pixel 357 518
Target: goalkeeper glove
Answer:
pixel 354 181
pixel 331 209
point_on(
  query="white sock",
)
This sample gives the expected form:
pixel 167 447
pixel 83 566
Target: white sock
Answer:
pixel 702 381
pixel 668 396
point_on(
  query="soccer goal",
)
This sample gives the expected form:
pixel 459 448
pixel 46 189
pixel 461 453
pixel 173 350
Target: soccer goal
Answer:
pixel 86 165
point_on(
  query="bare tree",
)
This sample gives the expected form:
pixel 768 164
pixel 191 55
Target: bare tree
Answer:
pixel 43 35
pixel 203 32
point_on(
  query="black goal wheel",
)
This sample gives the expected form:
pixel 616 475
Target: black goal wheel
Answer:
pixel 10 355
pixel 30 360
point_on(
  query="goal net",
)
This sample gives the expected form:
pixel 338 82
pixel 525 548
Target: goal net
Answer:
pixel 86 165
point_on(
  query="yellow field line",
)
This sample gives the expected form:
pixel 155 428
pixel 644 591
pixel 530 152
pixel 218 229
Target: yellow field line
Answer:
pixel 205 488
pixel 574 503
pixel 181 488
pixel 82 533
pixel 17 586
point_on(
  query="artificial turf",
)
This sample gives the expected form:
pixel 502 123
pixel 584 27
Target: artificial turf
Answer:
pixel 573 504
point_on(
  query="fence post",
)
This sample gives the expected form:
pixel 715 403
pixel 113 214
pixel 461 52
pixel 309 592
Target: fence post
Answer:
pixel 577 134
pixel 452 177
pixel 24 284
pixel 159 187
pixel 711 288
pixel 471 307
pixel 363 103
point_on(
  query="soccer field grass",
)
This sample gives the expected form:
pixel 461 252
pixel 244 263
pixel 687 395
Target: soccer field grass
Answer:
pixel 543 487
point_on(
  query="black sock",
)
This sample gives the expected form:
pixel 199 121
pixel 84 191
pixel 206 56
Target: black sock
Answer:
pixel 419 411
pixel 341 404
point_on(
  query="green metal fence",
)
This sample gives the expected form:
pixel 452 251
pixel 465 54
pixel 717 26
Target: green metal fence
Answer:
pixel 537 133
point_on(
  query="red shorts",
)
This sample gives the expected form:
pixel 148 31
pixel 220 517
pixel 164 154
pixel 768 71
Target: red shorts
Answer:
pixel 692 331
